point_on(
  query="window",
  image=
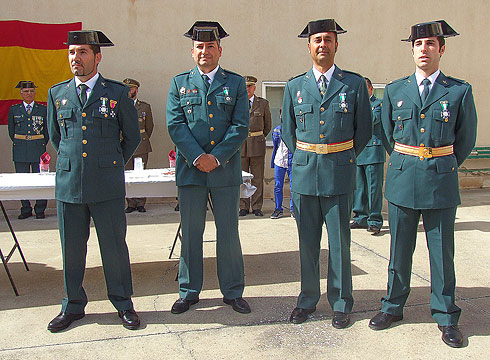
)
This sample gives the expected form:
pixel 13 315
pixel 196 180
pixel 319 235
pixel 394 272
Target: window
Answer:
pixel 274 92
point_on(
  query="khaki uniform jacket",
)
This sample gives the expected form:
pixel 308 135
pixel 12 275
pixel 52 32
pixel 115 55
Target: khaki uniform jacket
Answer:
pixel 20 123
pixel 145 119
pixel 260 120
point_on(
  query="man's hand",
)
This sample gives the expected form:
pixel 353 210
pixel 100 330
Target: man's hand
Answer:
pixel 206 163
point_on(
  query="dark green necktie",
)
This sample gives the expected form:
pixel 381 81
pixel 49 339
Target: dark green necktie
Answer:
pixel 205 78
pixel 83 93
pixel 323 85
pixel 425 92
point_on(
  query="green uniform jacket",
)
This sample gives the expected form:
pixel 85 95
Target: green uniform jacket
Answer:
pixel 374 152
pixel 431 183
pixel 309 118
pixel 20 123
pixel 213 121
pixel 91 156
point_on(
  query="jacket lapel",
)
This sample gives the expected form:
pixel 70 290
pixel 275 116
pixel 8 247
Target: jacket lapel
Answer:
pixel 255 104
pixel 311 87
pixel 97 92
pixel 196 80
pixel 334 85
pixel 438 90
pixel 411 90
pixel 70 94
pixel 218 81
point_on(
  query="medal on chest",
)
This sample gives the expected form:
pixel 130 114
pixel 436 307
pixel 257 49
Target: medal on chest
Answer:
pixel 342 101
pixel 103 107
pixel 445 114
pixel 113 105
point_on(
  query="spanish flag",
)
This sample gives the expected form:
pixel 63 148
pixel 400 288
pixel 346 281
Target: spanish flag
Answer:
pixel 32 51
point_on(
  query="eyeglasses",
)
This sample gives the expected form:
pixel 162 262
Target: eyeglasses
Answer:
pixel 28 91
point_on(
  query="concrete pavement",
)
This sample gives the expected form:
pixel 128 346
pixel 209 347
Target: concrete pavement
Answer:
pixel 212 329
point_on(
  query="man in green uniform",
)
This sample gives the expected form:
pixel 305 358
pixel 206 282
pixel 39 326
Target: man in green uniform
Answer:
pixel 253 149
pixel 368 196
pixel 207 119
pixel 430 122
pixel 29 133
pixel 94 128
pixel 326 122
pixel 145 119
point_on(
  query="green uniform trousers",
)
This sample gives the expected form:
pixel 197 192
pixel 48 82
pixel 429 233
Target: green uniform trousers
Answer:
pixel 110 224
pixel 368 196
pixel 439 230
pixel 193 201
pixel 28 167
pixel 311 212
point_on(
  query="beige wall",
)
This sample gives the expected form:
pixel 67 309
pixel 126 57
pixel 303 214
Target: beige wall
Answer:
pixel 263 42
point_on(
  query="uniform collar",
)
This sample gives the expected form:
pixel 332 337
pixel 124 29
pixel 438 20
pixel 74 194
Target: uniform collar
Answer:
pixel 419 77
pixel 328 74
pixel 211 74
pixel 25 105
pixel 90 83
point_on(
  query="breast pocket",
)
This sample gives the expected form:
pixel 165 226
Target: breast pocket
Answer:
pixel 191 106
pixel 66 122
pixel 109 125
pixel 343 117
pixel 443 126
pixel 401 128
pixel 303 114
pixel 226 103
pixel 19 124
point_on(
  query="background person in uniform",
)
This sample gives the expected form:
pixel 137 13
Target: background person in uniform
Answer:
pixel 326 122
pixel 368 196
pixel 430 121
pixel 87 118
pixel 207 119
pixel 253 149
pixel 145 119
pixel 281 163
pixel 29 133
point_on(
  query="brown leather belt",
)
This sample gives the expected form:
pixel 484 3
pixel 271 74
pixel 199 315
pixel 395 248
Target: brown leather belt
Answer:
pixel 325 148
pixel 28 137
pixel 423 152
pixel 255 133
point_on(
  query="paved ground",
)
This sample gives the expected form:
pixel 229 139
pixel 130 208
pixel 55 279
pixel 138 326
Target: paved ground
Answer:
pixel 211 329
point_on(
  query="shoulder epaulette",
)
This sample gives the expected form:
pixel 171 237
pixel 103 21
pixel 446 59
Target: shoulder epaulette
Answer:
pixel 457 80
pixel 184 73
pixel 114 82
pixel 61 83
pixel 231 72
pixel 352 72
pixel 398 80
pixel 297 76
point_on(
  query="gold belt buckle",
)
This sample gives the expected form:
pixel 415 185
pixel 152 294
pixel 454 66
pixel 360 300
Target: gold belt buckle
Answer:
pixel 425 152
pixel 28 137
pixel 322 149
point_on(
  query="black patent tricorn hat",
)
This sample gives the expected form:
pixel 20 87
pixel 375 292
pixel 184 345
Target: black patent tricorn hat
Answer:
pixel 320 26
pixel 25 85
pixel 88 37
pixel 206 31
pixel 431 29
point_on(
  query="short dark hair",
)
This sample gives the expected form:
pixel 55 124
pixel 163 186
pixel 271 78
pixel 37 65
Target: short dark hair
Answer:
pixel 218 41
pixel 440 39
pixel 370 84
pixel 95 48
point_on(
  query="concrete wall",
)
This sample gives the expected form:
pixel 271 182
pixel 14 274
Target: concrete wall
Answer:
pixel 150 46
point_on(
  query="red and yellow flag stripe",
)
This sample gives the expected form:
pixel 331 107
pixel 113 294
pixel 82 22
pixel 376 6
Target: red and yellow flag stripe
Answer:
pixel 32 51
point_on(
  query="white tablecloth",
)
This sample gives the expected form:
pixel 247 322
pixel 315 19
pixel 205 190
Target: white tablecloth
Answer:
pixel 145 183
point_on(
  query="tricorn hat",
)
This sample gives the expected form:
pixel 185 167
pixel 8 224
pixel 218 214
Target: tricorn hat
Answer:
pixel 430 29
pixel 131 82
pixel 88 37
pixel 250 80
pixel 206 31
pixel 320 26
pixel 25 85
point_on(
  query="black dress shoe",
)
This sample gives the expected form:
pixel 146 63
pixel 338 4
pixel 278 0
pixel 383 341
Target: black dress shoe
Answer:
pixel 63 320
pixel 451 335
pixel 356 225
pixel 383 320
pixel 24 216
pixel 374 230
pixel 129 319
pixel 141 209
pixel 182 305
pixel 129 209
pixel 340 320
pixel 300 315
pixel 242 212
pixel 238 304
pixel 40 216
pixel 258 212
